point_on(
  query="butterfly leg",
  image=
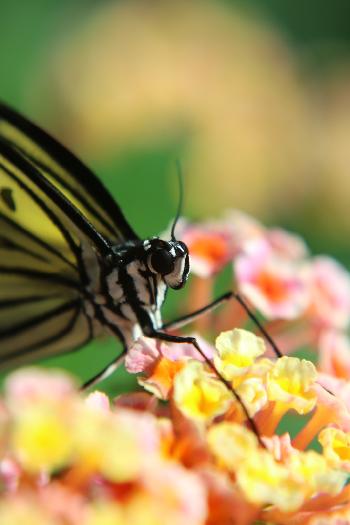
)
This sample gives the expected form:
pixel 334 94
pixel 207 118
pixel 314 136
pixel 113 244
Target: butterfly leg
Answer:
pixel 193 341
pixel 186 319
pixel 113 365
pixel 181 321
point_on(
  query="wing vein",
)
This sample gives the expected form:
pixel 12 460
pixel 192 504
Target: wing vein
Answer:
pixel 67 207
pixel 68 187
pixel 35 321
pixel 36 239
pixel 36 274
pixel 49 213
pixel 51 339
pixel 12 303
pixel 67 161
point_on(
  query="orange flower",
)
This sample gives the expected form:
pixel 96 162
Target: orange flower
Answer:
pixel 210 249
pixel 160 381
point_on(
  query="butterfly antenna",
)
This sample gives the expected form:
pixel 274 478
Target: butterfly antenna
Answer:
pixel 181 193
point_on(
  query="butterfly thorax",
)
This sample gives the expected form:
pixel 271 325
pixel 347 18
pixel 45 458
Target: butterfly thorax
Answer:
pixel 132 284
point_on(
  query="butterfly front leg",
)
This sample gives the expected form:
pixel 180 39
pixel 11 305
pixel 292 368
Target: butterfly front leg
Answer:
pixel 189 318
pixel 186 319
pixel 170 338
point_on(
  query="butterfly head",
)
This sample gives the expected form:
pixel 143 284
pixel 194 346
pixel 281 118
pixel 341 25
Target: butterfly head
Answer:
pixel 169 259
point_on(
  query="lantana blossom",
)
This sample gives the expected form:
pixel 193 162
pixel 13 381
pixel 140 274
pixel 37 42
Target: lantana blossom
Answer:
pixel 329 284
pixel 199 442
pixel 132 466
pixel 277 287
pixel 236 351
pixel 336 447
pixel 199 395
pixel 334 354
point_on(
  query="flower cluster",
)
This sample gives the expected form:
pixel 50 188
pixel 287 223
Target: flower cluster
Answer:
pixel 305 299
pixel 69 459
pixel 273 477
pixel 201 442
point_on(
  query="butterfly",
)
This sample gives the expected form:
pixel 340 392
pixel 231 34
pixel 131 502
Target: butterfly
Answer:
pixel 71 266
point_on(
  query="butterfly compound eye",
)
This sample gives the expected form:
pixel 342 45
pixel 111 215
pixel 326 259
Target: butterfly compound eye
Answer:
pixel 162 262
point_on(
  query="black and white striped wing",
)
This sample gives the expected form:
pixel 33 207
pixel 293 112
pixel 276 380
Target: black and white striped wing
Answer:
pixel 42 265
pixel 67 173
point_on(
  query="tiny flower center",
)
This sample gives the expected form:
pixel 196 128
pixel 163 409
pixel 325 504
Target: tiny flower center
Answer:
pixel 271 287
pixel 203 398
pixel 238 360
pixel 210 247
pixel 343 453
pixel 290 386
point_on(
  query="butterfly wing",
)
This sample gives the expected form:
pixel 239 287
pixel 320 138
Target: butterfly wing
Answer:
pixel 45 244
pixel 67 173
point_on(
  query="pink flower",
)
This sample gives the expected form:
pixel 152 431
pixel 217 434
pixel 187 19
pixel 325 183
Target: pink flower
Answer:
pixel 273 285
pixel 64 505
pixel 160 362
pixel 10 472
pixel 210 248
pixel 144 427
pixel 214 243
pixel 144 354
pixel 243 229
pixel 280 446
pixel 333 384
pixel 98 401
pixel 178 492
pixel 339 388
pixel 34 384
pixel 286 244
pixel 334 354
pixel 330 292
pixel 180 351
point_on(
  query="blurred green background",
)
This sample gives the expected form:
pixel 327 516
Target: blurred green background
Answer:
pixel 253 96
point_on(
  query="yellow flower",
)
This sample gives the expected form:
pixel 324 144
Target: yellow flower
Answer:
pixel 266 482
pixel 253 393
pixel 336 447
pixel 17 511
pixel 237 351
pixel 312 470
pixel 261 368
pixel 286 485
pixel 198 395
pixel 105 442
pixel 105 513
pixel 143 509
pixel 290 383
pixel 231 443
pixel 170 493
pixel 42 438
